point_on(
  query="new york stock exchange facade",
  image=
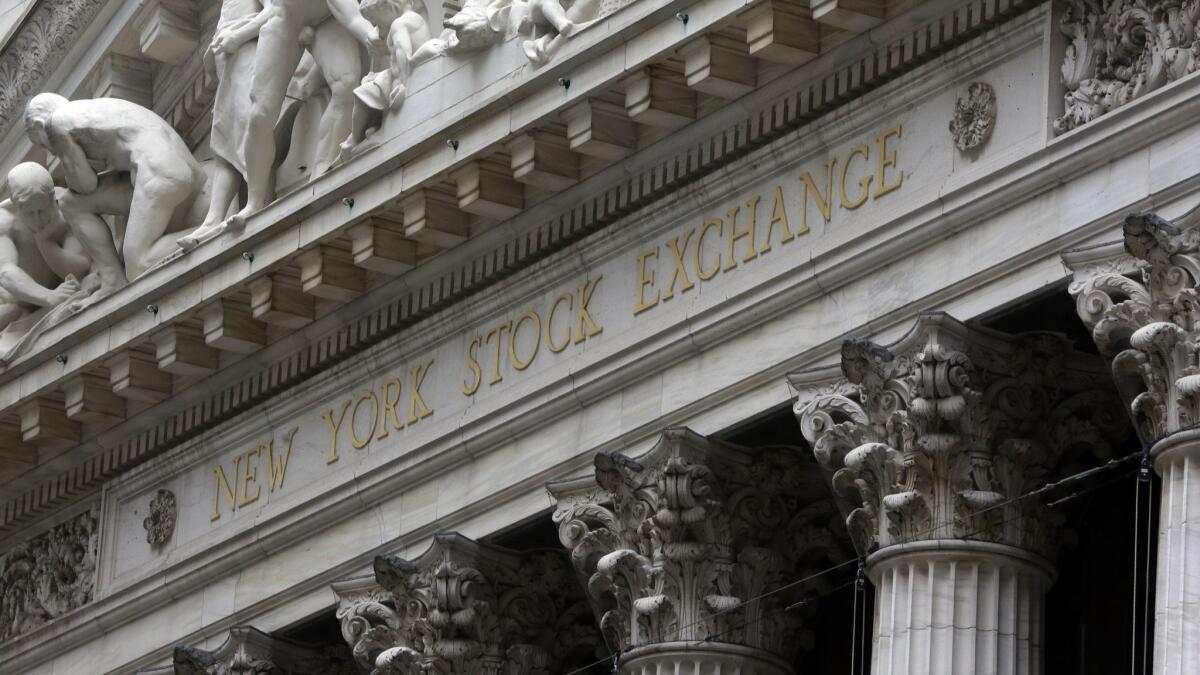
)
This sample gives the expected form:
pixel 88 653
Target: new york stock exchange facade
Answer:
pixel 648 337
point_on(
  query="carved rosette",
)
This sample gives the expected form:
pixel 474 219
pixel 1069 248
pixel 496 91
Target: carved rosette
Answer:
pixel 160 524
pixel 679 544
pixel 1150 326
pixel 974 117
pixel 249 651
pixel 467 607
pixel 948 425
pixel 1120 50
pixel 48 576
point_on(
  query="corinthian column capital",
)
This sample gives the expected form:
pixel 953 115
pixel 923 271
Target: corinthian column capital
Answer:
pixel 467 607
pixel 679 545
pixel 930 438
pixel 1149 324
pixel 249 651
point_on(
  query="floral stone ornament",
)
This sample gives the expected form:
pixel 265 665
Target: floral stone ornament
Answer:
pixel 160 524
pixel 974 117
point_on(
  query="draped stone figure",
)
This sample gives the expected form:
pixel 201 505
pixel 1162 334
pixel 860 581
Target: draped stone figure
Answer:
pixel 40 260
pixel 232 54
pixel 551 22
pixel 336 25
pixel 148 175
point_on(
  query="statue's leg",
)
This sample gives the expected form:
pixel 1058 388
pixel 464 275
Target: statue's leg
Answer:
pixel 277 56
pixel 82 213
pixel 10 309
pixel 155 199
pixel 337 54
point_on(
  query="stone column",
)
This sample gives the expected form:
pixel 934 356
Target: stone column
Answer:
pixel 1150 325
pixel 467 607
pixel 679 546
pixel 928 443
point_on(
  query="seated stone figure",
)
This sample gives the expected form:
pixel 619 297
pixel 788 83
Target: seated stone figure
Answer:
pixel 147 175
pixel 551 22
pixel 40 260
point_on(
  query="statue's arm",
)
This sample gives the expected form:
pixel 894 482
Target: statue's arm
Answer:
pixel 67 258
pixel 346 12
pixel 78 173
pixel 229 39
pixel 17 281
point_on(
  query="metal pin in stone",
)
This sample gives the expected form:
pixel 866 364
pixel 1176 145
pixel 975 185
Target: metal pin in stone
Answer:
pixel 152 308
pixel 564 83
pixel 348 201
pixel 683 18
pixel 248 256
pixel 452 143
pixel 61 358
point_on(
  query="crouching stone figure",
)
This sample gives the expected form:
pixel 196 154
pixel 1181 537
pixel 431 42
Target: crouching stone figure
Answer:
pixel 146 173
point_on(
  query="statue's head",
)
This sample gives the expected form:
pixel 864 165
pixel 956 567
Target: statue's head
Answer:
pixel 37 116
pixel 31 187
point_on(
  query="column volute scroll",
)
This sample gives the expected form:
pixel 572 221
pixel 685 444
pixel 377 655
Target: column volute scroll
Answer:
pixel 684 551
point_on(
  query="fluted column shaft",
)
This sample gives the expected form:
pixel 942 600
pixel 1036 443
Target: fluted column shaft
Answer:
pixel 1177 592
pixel 953 607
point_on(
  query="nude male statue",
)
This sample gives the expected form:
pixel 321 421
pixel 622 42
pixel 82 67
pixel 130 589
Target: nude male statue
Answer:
pixel 277 55
pixel 40 260
pixel 149 175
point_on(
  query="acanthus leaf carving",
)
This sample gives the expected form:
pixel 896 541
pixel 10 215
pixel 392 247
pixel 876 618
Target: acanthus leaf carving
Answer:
pixel 681 543
pixel 467 607
pixel 949 425
pixel 249 651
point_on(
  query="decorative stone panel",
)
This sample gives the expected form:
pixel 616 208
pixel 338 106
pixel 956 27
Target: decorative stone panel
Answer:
pixel 1119 50
pixel 48 576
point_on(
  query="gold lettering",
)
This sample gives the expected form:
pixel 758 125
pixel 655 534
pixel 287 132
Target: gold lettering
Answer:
pixel 735 235
pixel 864 183
pixel 823 203
pixel 417 410
pixel 333 430
pixel 570 300
pixel 389 406
pixel 537 337
pixel 882 187
pixel 498 331
pixel 469 389
pixel 582 316
pixel 644 281
pixel 223 487
pixel 364 397
pixel 778 215
pixel 277 470
pixel 248 475
pixel 698 263
pixel 677 252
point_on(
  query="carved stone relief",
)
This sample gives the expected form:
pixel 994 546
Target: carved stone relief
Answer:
pixel 160 524
pixel 1119 50
pixel 466 607
pixel 952 421
pixel 974 117
pixel 48 576
pixel 679 545
pixel 249 651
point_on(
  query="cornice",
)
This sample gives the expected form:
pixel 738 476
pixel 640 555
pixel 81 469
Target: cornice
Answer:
pixel 846 73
